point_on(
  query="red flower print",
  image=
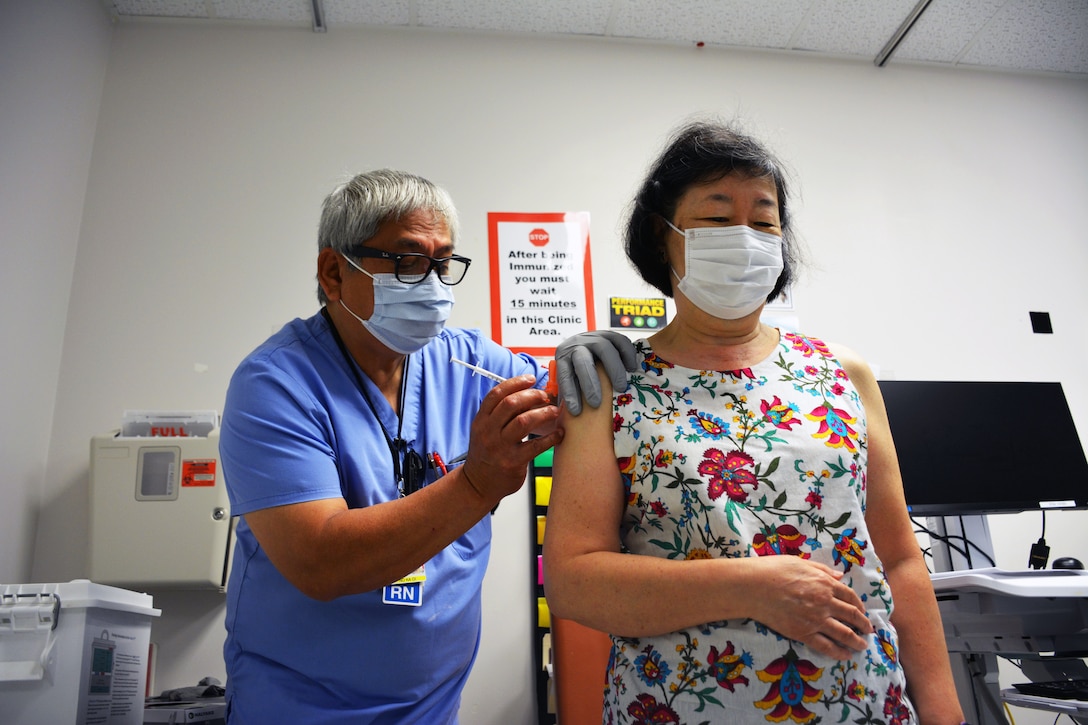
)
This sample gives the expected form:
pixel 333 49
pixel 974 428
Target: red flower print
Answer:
pixel 856 691
pixel 835 427
pixel 624 399
pixel 789 676
pixel 808 345
pixel 814 499
pixel 742 373
pixel 727 667
pixel 838 389
pixel 894 708
pixel 664 458
pixel 617 422
pixel 785 539
pixel 626 465
pixel 778 414
pixel 727 474
pixel 646 710
pixel 659 509
pixel 841 374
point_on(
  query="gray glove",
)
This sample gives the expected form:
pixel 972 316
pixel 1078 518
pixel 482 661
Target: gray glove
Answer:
pixel 575 366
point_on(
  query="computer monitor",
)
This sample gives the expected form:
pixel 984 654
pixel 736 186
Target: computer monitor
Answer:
pixel 970 448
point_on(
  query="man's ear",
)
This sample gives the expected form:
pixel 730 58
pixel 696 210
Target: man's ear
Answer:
pixel 329 273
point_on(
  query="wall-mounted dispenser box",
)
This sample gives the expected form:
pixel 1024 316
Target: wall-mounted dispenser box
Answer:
pixel 159 511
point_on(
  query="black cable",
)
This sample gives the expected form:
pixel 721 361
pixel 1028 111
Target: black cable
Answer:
pixel 1040 552
pixel 937 537
pixel 927 556
pixel 970 544
pixel 947 540
pixel 982 690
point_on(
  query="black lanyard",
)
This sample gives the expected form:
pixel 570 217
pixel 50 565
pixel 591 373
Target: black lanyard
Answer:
pixel 410 478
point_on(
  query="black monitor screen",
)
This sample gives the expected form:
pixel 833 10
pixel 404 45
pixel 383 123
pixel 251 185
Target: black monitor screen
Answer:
pixel 985 447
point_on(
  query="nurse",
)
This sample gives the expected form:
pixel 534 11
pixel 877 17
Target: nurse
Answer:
pixel 363 466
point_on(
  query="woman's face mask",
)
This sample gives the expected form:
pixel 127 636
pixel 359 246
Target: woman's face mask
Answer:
pixel 406 316
pixel 729 271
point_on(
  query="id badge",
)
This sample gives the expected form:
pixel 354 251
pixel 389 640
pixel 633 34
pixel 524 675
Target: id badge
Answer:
pixel 407 591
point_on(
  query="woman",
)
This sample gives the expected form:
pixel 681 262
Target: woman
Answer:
pixel 736 521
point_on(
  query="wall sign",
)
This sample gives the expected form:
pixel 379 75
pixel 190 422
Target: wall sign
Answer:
pixel 634 313
pixel 541 279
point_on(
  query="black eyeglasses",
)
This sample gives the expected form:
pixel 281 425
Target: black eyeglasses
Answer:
pixel 412 268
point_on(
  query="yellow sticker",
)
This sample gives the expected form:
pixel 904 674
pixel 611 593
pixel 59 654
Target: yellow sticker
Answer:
pixel 419 575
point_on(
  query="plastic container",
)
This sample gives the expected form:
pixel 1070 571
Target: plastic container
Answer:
pixel 208 712
pixel 74 652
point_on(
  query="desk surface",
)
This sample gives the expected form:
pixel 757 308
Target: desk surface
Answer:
pixel 1026 583
pixel 1069 707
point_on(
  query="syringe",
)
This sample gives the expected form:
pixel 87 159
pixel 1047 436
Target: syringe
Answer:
pixel 477 369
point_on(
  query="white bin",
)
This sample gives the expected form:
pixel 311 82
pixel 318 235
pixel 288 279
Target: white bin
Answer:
pixel 74 652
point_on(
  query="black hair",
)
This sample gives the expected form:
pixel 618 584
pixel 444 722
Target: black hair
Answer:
pixel 698 153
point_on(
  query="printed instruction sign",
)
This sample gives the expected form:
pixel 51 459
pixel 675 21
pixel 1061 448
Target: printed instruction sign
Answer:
pixel 541 279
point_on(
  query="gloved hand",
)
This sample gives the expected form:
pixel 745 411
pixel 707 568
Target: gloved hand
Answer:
pixel 575 367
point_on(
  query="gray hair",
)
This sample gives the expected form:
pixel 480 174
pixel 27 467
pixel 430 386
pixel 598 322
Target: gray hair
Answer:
pixel 353 212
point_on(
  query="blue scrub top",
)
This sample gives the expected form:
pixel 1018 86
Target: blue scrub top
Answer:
pixel 296 428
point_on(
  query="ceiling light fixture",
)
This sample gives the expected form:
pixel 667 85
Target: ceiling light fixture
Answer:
pixel 900 33
pixel 319 15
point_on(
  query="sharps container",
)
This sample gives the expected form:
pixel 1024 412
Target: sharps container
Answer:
pixel 74 652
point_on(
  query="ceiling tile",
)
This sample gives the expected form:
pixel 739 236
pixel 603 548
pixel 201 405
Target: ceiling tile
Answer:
pixel 945 29
pixel 541 16
pixel 851 27
pixel 279 11
pixel 161 8
pixel 372 12
pixel 1044 35
pixel 1017 35
pixel 746 23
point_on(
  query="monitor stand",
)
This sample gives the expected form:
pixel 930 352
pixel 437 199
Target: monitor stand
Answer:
pixel 975 673
pixel 972 547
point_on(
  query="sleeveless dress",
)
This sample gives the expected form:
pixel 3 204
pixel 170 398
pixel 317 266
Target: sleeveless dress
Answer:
pixel 765 461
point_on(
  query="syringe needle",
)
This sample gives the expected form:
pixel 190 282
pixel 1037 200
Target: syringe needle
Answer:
pixel 477 369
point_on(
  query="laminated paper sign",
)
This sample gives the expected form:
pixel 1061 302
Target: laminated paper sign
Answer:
pixel 541 279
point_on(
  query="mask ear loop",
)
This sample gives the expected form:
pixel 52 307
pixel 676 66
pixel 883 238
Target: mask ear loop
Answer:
pixel 665 257
pixel 353 263
pixel 350 261
pixel 675 228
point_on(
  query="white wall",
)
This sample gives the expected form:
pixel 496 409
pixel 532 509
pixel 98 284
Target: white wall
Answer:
pixel 52 66
pixel 938 206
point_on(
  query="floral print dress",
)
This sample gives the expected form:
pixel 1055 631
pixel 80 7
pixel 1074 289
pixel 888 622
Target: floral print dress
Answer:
pixel 765 461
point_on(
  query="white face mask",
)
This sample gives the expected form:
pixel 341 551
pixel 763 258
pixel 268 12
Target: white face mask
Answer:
pixel 729 271
pixel 406 316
